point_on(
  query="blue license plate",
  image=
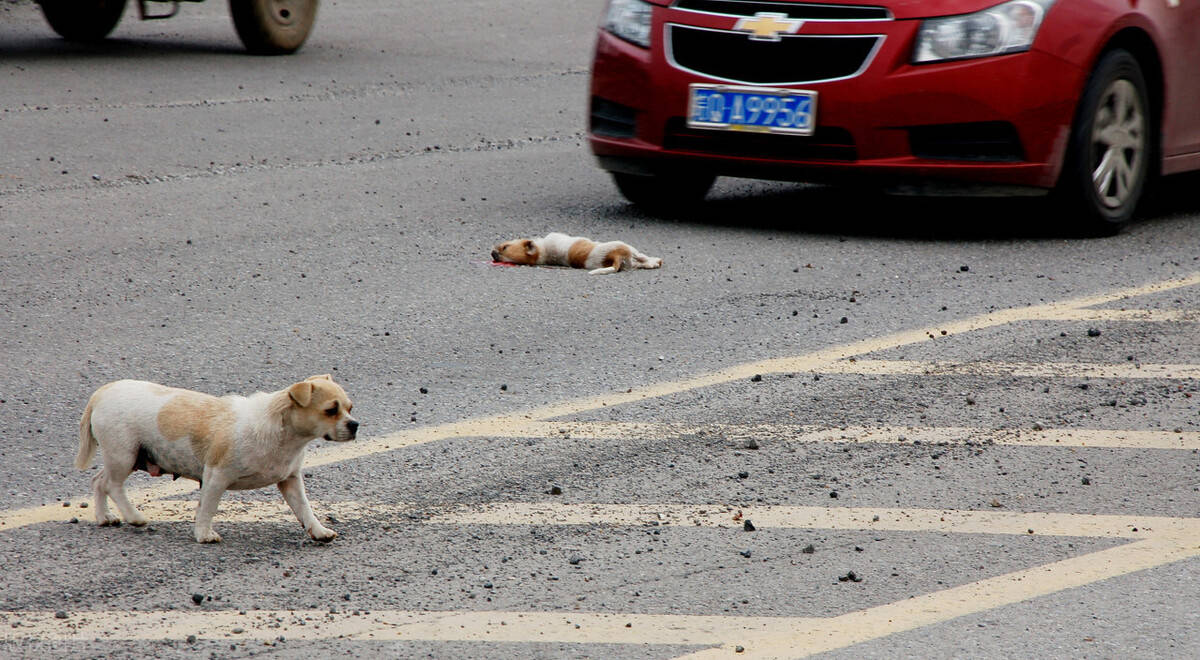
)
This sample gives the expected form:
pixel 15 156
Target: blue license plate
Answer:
pixel 755 109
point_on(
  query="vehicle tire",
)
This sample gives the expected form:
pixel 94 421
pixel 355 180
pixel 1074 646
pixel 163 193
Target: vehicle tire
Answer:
pixel 273 27
pixel 83 20
pixel 663 192
pixel 1110 148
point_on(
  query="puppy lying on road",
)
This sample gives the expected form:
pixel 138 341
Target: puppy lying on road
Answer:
pixel 557 249
pixel 231 442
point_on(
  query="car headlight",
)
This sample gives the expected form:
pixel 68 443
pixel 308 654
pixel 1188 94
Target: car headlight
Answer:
pixel 1007 28
pixel 629 20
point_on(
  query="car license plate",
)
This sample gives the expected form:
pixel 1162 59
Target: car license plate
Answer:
pixel 755 109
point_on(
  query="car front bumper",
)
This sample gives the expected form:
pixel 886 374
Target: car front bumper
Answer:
pixel 999 120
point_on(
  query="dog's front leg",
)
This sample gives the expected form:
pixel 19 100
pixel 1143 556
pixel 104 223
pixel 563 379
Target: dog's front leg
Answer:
pixel 211 489
pixel 292 489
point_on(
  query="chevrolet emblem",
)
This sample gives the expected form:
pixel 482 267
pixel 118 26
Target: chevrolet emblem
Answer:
pixel 767 26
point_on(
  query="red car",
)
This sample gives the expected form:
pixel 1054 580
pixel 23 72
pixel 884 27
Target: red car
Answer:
pixel 1087 100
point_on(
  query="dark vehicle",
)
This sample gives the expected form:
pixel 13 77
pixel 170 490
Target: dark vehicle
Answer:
pixel 267 27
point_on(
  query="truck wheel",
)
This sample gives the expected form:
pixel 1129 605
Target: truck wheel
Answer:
pixel 86 20
pixel 273 27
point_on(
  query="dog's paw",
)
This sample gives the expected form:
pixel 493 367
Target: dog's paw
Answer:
pixel 109 520
pixel 322 533
pixel 139 521
pixel 207 537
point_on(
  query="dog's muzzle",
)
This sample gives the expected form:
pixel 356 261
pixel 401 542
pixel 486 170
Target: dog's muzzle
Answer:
pixel 495 256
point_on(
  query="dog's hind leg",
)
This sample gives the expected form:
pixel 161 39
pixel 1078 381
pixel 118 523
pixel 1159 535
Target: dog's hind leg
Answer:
pixel 113 478
pixel 100 491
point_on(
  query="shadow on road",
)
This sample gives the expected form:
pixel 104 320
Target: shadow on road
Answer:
pixel 846 211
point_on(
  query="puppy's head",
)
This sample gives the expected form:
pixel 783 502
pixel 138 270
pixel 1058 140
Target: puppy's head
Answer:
pixel 520 251
pixel 321 409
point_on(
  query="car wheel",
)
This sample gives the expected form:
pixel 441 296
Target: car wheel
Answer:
pixel 1110 148
pixel 273 27
pixel 663 192
pixel 89 20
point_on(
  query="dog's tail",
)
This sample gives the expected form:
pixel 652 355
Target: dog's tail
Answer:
pixel 87 440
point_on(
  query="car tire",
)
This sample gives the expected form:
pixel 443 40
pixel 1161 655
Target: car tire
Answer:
pixel 1110 148
pixel 273 27
pixel 86 21
pixel 663 192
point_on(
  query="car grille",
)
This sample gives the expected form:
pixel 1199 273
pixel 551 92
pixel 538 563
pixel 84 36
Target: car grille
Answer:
pixel 828 143
pixel 793 59
pixel 809 12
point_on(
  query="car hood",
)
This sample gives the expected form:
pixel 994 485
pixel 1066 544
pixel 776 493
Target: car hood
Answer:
pixel 902 8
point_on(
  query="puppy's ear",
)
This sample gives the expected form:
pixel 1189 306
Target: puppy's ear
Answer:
pixel 530 248
pixel 301 393
pixel 321 377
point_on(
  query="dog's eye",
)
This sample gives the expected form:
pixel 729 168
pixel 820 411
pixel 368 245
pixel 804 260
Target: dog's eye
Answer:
pixel 332 412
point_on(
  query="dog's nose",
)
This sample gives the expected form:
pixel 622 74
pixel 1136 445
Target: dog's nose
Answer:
pixel 352 426
pixel 495 256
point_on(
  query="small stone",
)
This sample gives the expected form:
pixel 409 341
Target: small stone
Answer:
pixel 849 577
pixel 1087 481
pixel 833 494
pixel 844 320
pixel 555 490
pixel 197 598
pixel 238 630
pixel 739 649
pixel 191 639
pixel 808 549
pixel 964 269
pixel 574 560
pixel 751 444
pixel 756 379
pixel 748 526
pixel 743 475
pixel 745 553
pixel 424 391
pixel 1093 332
pixel 83 505
pixel 60 614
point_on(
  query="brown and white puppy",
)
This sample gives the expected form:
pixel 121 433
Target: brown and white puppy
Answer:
pixel 557 249
pixel 231 442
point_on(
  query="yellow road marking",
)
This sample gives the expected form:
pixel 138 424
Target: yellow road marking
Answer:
pixel 1149 315
pixel 757 637
pixel 1129 370
pixel 492 626
pixel 864 625
pixel 955 521
pixel 1065 437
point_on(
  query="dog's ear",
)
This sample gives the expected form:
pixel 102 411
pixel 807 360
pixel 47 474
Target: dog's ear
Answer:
pixel 530 248
pixel 321 377
pixel 301 393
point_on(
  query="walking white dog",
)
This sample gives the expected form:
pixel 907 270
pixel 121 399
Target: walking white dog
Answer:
pixel 232 442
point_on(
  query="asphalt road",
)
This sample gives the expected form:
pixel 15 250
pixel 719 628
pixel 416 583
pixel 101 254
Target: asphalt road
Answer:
pixel 555 465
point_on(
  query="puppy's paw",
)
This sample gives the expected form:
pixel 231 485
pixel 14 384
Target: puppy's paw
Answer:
pixel 322 533
pixel 209 536
pixel 654 262
pixel 109 520
pixel 139 521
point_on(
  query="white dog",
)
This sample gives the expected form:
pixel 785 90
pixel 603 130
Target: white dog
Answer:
pixel 231 442
pixel 557 249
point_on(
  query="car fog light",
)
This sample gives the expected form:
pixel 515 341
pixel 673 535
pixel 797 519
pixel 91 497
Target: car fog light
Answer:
pixel 1007 28
pixel 629 20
